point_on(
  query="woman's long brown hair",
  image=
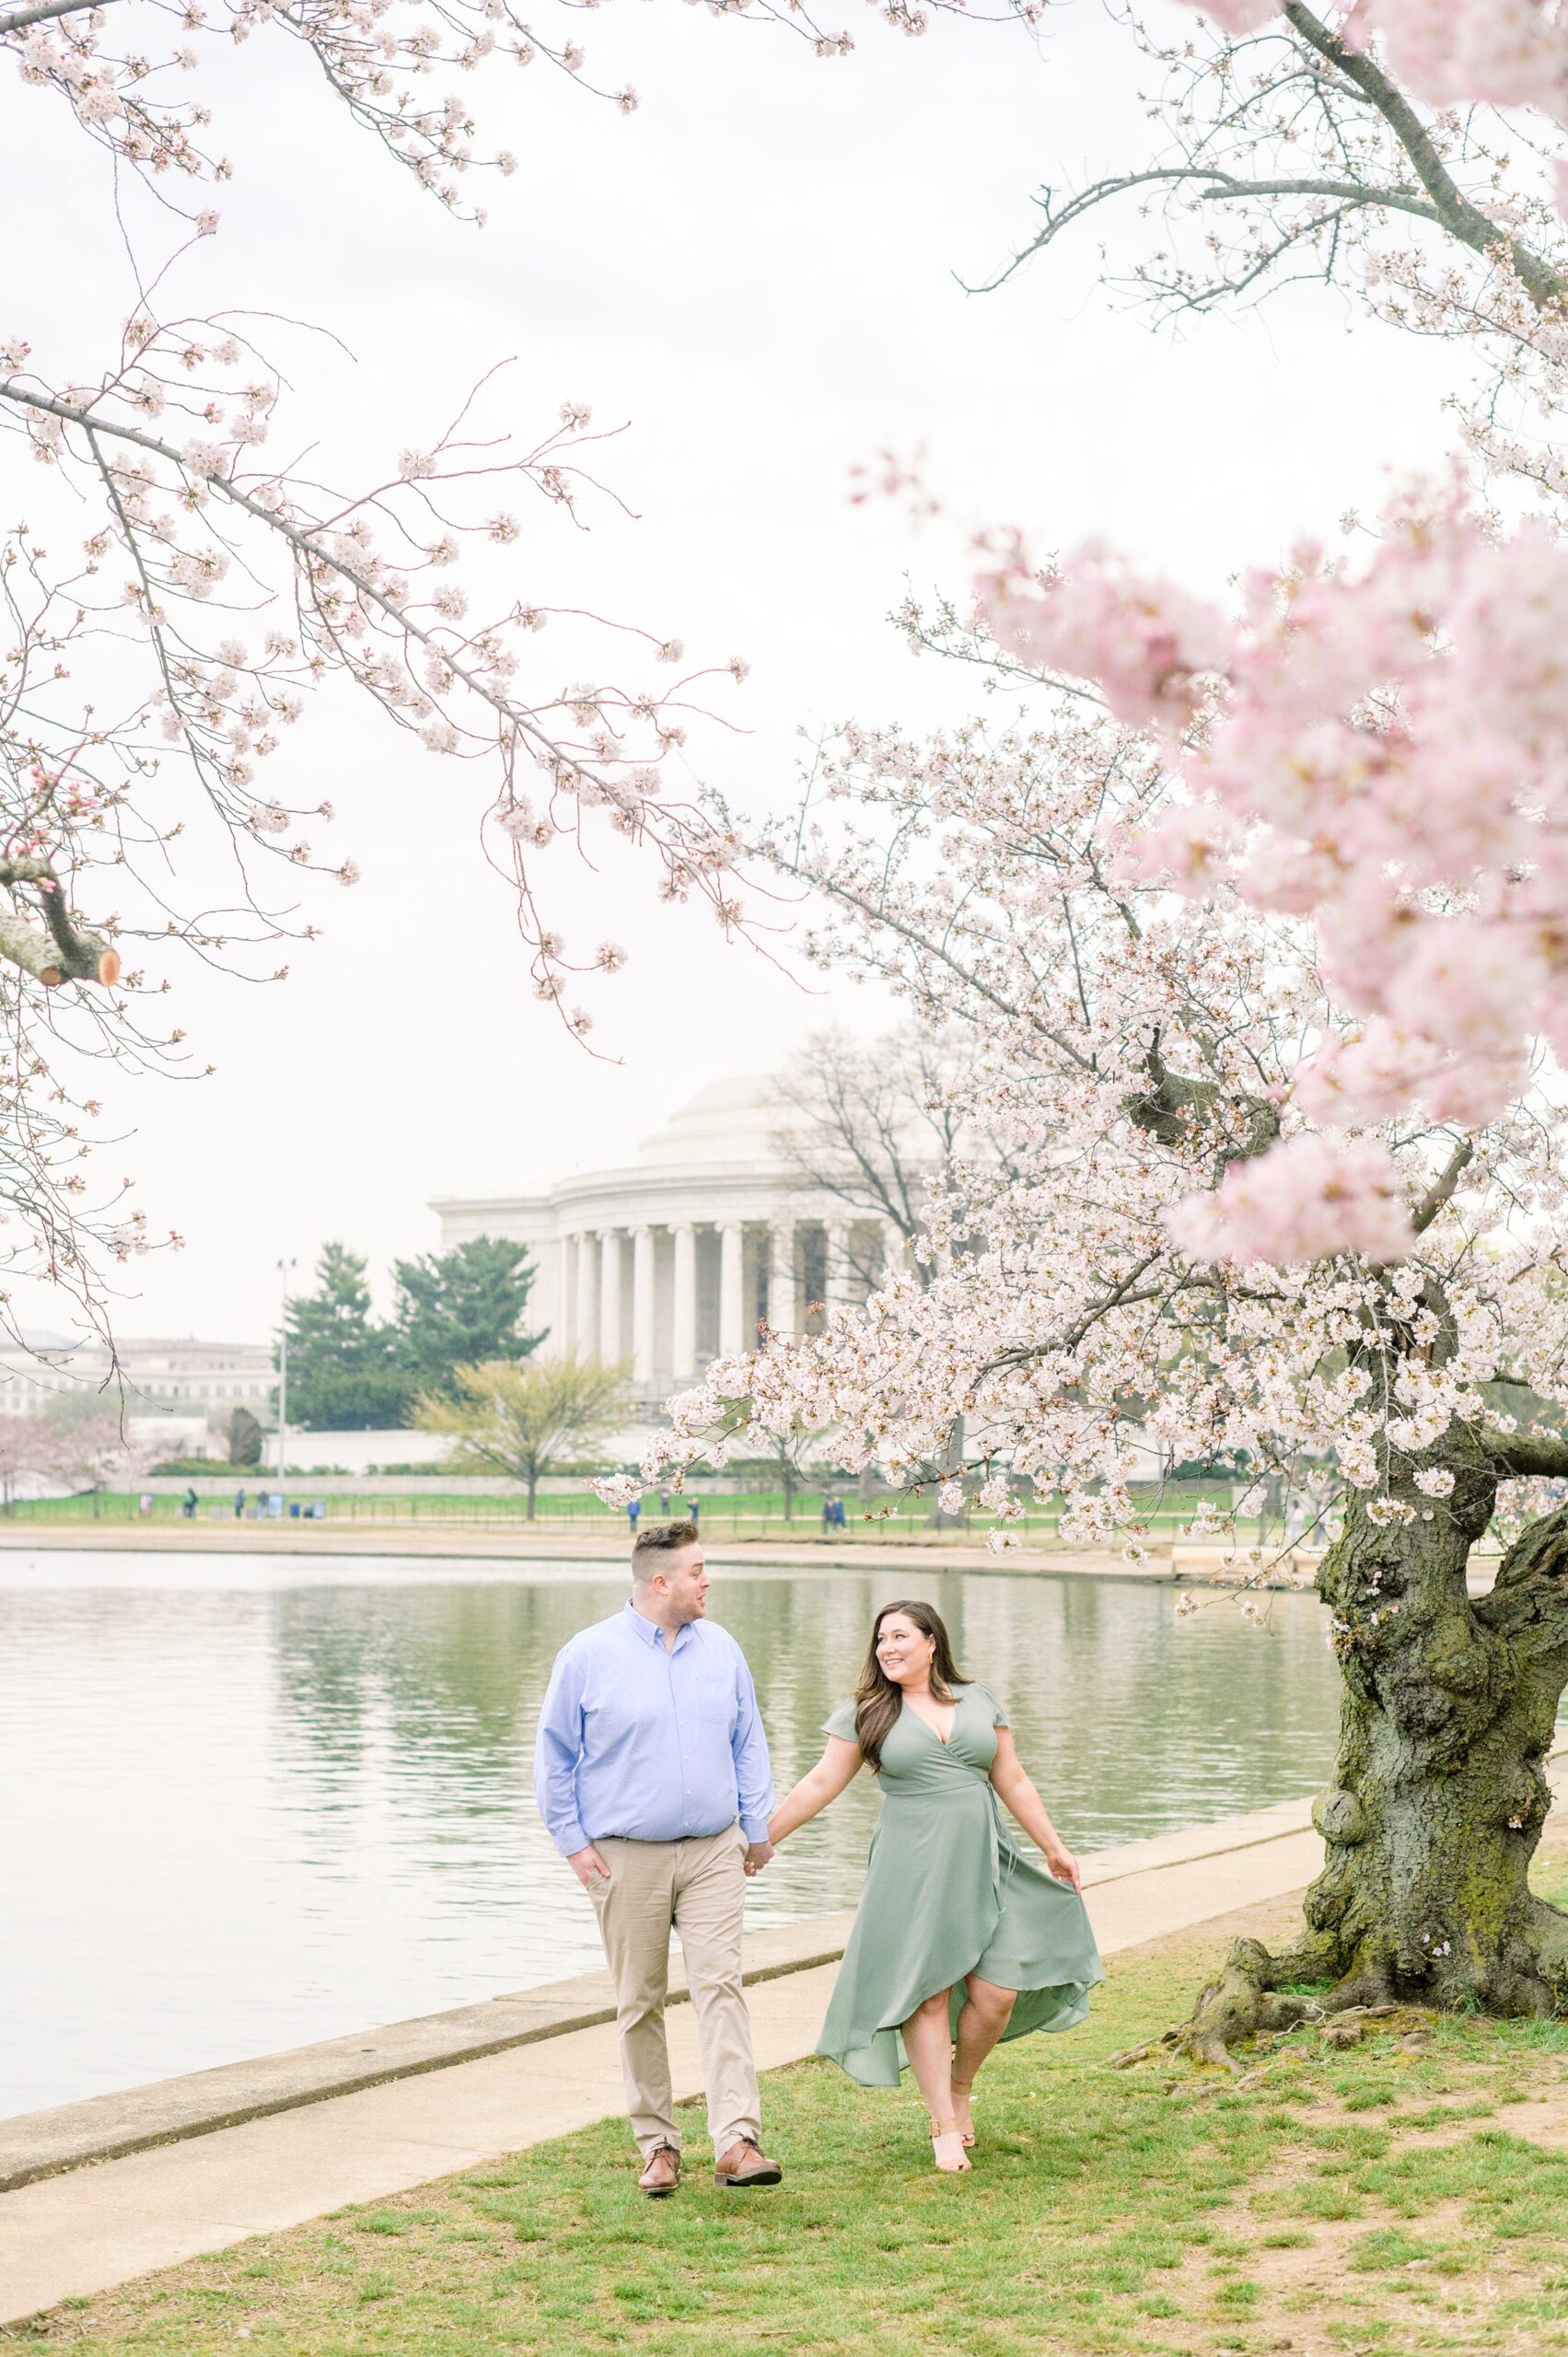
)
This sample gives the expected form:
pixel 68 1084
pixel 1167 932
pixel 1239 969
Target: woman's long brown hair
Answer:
pixel 878 1700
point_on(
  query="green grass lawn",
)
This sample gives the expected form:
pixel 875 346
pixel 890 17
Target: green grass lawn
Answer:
pixel 728 1514
pixel 743 1514
pixel 1394 2198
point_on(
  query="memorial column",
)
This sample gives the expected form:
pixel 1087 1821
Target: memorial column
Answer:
pixel 732 1306
pixel 584 1340
pixel 835 1280
pixel 781 1279
pixel 611 1347
pixel 684 1349
pixel 643 1310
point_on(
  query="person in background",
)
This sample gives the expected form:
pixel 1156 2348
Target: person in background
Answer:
pixel 239 1503
pixel 651 1773
pixel 188 1504
pixel 633 1511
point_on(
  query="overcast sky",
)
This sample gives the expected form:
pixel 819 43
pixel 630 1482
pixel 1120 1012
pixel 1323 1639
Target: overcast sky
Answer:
pixel 758 272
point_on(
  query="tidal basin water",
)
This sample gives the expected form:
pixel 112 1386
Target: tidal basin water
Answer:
pixel 248 1804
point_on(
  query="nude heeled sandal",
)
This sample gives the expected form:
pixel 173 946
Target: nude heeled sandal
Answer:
pixel 948 2148
pixel 964 2087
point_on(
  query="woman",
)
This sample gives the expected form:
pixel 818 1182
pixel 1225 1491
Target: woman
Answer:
pixel 958 1936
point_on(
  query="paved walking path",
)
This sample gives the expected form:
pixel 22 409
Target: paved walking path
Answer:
pixel 85 2231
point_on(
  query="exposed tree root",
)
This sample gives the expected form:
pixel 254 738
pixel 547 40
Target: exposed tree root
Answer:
pixel 1258 1995
pixel 1252 1998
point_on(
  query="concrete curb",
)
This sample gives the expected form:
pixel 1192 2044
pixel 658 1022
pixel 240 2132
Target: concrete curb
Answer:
pixel 37 2144
pixel 104 2128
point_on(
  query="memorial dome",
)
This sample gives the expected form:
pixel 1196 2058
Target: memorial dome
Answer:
pixel 737 1120
pixel 683 1255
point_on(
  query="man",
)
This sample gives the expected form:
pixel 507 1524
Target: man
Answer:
pixel 650 1749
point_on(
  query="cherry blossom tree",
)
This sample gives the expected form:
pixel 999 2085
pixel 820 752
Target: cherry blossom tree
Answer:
pixel 1502 53
pixel 1129 1047
pixel 1300 152
pixel 1259 939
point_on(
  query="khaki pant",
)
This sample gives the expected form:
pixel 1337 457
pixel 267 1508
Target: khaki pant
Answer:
pixel 697 1888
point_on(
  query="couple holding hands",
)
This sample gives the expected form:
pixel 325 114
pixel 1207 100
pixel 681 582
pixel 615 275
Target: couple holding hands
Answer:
pixel 651 1777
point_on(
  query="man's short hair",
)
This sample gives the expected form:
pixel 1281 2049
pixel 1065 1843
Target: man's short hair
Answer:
pixel 660 1538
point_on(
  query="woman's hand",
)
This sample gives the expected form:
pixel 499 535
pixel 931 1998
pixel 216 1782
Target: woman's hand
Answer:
pixel 1063 1865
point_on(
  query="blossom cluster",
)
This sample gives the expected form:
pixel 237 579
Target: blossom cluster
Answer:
pixel 1381 748
pixel 1306 1201
pixel 1451 52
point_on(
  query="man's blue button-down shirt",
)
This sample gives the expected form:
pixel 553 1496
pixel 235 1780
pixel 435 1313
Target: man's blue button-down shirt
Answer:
pixel 649 1742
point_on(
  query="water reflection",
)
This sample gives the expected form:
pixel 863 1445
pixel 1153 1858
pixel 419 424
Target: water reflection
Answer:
pixel 247 1806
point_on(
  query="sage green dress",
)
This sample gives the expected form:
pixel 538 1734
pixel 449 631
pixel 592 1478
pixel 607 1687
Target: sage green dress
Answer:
pixel 948 1892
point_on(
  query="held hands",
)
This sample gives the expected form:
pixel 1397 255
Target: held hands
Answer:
pixel 588 1867
pixel 591 1870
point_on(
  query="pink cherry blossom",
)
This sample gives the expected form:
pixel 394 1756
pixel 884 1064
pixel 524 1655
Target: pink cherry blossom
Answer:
pixel 1451 52
pixel 1148 643
pixel 1306 1201
pixel 1384 753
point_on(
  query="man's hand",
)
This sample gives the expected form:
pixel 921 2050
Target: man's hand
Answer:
pixel 588 1866
pixel 756 1856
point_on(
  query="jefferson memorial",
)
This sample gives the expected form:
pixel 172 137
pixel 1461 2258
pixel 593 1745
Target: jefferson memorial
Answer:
pixel 679 1256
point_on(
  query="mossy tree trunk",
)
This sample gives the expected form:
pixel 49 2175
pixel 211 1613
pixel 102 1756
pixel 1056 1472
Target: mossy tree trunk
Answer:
pixel 1439 1790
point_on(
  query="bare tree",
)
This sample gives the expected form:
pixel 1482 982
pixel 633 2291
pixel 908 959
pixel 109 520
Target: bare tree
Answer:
pixel 873 1126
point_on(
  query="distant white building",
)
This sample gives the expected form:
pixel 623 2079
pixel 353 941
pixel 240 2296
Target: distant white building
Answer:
pixel 178 1386
pixel 677 1256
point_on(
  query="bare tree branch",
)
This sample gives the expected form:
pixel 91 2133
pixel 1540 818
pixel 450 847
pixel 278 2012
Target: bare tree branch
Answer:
pixel 17 20
pixel 1525 1455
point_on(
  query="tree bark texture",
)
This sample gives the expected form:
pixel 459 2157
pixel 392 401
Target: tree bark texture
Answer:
pixel 1439 1790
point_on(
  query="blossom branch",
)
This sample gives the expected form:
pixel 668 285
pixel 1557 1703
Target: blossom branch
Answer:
pixel 1525 1455
pixel 17 20
pixel 1464 220
pixel 1441 1192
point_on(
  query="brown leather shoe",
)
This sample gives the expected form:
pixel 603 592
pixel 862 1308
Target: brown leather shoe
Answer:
pixel 743 2165
pixel 661 2172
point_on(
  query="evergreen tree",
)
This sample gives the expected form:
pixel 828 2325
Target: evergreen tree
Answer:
pixel 464 1308
pixel 342 1369
pixel 245 1437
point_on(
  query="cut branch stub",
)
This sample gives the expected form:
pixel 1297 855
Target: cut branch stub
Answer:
pixel 61 949
pixel 1200 1113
